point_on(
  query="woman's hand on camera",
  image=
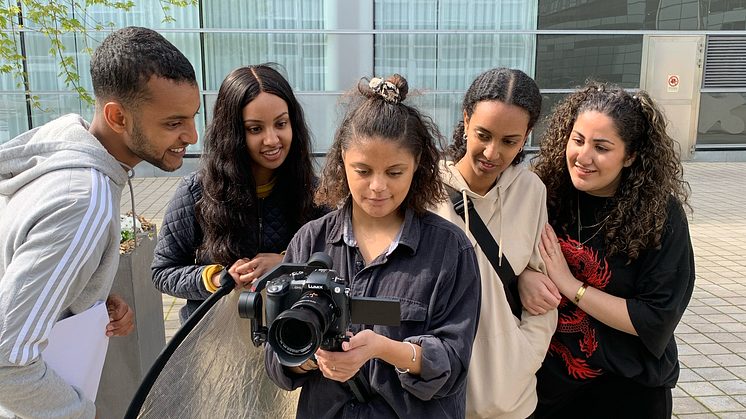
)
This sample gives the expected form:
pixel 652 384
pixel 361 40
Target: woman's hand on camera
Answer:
pixel 258 266
pixel 538 293
pixel 343 365
pixel 234 274
pixel 245 271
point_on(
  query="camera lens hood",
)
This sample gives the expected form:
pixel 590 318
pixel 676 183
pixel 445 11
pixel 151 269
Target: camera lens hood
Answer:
pixel 298 332
pixel 295 335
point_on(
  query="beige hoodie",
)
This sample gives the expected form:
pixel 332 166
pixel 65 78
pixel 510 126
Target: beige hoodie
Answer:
pixel 507 352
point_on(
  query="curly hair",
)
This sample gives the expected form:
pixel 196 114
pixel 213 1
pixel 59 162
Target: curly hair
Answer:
pixel 227 211
pixel 381 114
pixel 638 209
pixel 509 86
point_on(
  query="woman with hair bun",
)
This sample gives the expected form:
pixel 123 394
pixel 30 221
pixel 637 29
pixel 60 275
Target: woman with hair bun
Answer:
pixel 383 169
pixel 500 108
pixel 617 247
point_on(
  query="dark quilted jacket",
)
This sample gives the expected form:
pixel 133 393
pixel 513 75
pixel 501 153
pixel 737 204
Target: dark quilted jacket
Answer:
pixel 176 268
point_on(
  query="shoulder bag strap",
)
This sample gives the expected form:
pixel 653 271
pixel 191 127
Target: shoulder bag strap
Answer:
pixel 488 244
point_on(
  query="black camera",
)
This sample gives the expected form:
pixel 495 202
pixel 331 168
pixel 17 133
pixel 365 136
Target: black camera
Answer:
pixel 308 306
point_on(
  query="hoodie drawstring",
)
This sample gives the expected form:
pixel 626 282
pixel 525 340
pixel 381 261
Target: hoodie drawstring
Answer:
pixel 500 239
pixel 130 175
pixel 466 210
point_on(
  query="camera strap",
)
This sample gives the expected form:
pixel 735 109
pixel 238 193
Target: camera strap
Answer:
pixel 490 248
pixel 360 388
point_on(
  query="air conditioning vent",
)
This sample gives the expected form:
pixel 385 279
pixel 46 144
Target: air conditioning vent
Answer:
pixel 725 62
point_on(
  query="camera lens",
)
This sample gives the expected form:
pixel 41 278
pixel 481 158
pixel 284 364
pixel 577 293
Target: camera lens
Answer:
pixel 297 332
pixel 295 335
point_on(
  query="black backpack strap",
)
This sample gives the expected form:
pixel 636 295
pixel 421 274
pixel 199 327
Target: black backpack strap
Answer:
pixel 490 248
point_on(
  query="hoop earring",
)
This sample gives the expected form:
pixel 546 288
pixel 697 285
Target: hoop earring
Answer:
pixel 464 136
pixel 521 150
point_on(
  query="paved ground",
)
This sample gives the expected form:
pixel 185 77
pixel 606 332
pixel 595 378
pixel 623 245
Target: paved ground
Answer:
pixel 712 334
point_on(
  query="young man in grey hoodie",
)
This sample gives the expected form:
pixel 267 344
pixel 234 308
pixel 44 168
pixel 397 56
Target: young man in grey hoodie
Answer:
pixel 60 189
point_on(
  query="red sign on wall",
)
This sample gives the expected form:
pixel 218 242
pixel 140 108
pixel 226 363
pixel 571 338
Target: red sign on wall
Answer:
pixel 673 83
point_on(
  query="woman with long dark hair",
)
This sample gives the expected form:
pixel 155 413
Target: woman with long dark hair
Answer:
pixel 252 193
pixel 618 249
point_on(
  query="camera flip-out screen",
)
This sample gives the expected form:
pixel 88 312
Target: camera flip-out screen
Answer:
pixel 367 310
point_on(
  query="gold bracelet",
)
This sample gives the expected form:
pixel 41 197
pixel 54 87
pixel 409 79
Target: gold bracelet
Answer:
pixel 580 294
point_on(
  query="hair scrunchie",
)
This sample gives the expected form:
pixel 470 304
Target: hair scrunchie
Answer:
pixel 386 89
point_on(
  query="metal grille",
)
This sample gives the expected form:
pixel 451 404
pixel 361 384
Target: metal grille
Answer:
pixel 725 62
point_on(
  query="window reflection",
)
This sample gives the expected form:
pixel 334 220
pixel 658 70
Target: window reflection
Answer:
pixel 548 103
pixel 722 118
pixel 452 61
pixel 13 119
pixel 567 61
pixel 643 14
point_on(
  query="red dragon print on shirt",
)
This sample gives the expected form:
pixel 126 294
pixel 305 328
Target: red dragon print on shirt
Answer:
pixel 585 266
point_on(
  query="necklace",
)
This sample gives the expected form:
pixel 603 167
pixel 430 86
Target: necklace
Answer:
pixel 601 223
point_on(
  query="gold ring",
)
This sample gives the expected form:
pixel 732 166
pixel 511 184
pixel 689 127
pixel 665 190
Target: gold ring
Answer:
pixel 551 254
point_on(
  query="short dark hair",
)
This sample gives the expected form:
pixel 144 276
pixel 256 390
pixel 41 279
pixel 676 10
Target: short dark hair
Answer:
pixel 127 59
pixel 227 211
pixel 373 114
pixel 506 85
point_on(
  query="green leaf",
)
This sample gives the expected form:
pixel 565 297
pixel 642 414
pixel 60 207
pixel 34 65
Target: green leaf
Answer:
pixel 126 235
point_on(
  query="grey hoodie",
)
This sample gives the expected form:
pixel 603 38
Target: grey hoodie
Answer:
pixel 59 251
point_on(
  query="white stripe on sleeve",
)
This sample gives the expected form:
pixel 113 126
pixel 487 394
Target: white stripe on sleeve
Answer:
pixel 65 271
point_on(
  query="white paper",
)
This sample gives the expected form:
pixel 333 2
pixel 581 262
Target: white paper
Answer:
pixel 77 348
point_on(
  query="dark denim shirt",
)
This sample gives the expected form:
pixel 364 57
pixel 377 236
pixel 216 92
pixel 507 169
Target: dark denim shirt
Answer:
pixel 432 269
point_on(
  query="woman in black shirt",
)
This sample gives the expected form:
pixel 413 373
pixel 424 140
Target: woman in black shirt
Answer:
pixel 618 249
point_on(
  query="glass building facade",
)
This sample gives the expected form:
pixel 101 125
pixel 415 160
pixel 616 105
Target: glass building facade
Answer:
pixel 438 45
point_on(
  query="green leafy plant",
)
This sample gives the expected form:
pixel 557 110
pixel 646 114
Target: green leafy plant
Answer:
pixel 55 18
pixel 126 235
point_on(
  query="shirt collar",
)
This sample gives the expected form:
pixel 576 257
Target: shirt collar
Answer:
pixel 408 235
pixel 263 191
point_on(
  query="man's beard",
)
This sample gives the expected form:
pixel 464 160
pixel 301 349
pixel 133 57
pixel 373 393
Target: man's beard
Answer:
pixel 142 147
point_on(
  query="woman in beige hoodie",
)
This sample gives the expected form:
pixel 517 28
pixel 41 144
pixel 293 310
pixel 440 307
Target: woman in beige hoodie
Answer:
pixel 500 109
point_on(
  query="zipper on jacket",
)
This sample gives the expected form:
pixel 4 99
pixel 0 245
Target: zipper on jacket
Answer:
pixel 261 225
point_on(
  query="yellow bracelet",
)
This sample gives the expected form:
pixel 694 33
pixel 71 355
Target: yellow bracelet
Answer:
pixel 580 293
pixel 207 274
